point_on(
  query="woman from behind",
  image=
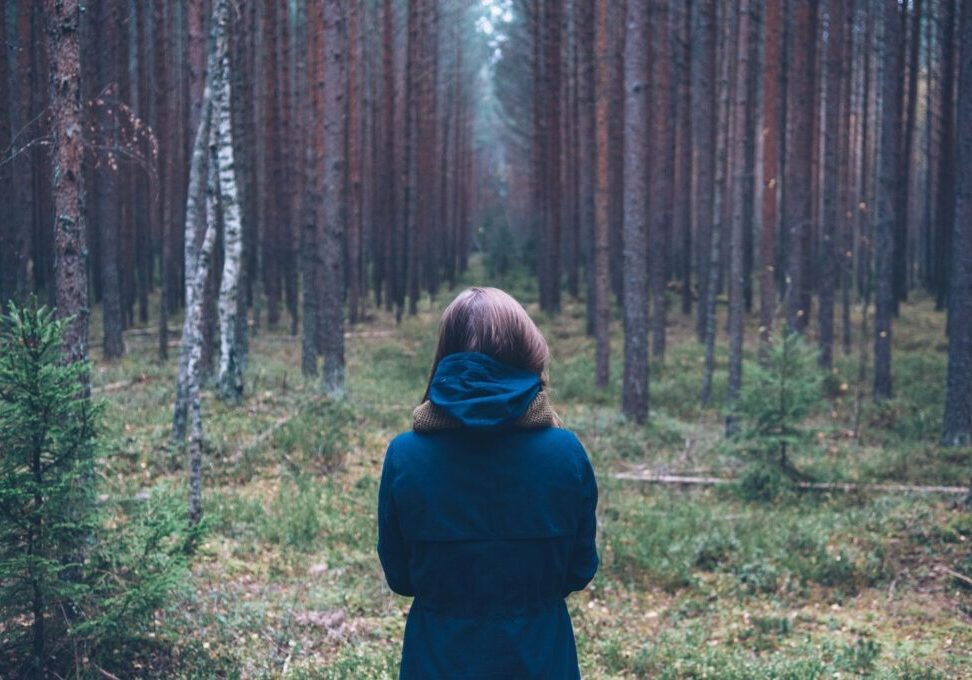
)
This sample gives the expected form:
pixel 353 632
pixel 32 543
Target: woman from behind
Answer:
pixel 486 509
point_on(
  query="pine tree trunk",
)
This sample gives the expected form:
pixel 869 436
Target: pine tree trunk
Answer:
pixel 8 225
pixel 552 171
pixel 829 272
pixel 740 140
pixel 71 252
pixel 798 176
pixel 661 171
pixel 772 119
pixel 313 164
pixel 682 217
pixel 888 186
pixel 602 316
pixel 945 201
pixel 958 404
pixel 354 104
pixel 718 204
pixel 634 391
pixel 334 199
pixel 703 76
pixel 586 152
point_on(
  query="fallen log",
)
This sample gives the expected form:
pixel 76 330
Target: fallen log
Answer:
pixel 847 487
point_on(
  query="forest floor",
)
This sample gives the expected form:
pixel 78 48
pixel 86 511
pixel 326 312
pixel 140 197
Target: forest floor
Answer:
pixel 694 583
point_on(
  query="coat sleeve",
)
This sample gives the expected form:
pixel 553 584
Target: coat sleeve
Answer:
pixel 392 548
pixel 583 558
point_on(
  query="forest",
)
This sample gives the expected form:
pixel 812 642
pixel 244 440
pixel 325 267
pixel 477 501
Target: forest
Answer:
pixel 228 229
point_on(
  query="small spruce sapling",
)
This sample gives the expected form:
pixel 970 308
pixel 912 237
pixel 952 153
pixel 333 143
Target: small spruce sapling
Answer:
pixel 47 509
pixel 776 397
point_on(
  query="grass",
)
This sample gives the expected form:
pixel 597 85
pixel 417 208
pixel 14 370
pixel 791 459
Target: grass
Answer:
pixel 693 584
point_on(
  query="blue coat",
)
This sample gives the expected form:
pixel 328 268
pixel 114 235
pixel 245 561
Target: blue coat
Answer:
pixel 489 527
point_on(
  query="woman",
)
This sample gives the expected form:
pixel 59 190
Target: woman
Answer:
pixel 486 508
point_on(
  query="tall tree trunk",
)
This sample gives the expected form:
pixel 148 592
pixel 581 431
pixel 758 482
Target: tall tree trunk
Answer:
pixel 221 154
pixel 107 169
pixel 586 152
pixel 703 144
pixel 720 184
pixel 772 128
pixel 195 237
pixel 8 224
pixel 958 404
pixel 740 140
pixel 945 200
pixel 829 272
pixel 552 18
pixel 355 107
pixel 888 186
pixel 313 165
pixel 602 316
pixel 334 198
pixel 71 252
pixel 194 321
pixel 682 217
pixel 201 217
pixel 798 176
pixel 661 170
pixel 634 391
pixel 901 250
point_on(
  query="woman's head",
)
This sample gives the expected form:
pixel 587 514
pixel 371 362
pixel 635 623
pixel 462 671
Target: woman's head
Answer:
pixel 491 322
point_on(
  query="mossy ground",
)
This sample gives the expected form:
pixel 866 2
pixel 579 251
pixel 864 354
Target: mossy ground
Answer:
pixel 693 583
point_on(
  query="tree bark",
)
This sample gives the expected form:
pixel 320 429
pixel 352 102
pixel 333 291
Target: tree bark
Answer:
pixel 772 119
pixel 71 251
pixel 798 177
pixel 634 391
pixel 888 186
pixel 703 76
pixel 334 199
pixel 587 151
pixel 718 222
pixel 958 404
pixel 829 272
pixel 221 154
pixel 736 242
pixel 195 236
pixel 661 171
pixel 602 316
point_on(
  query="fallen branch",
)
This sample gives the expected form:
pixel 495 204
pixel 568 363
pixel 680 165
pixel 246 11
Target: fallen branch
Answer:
pixel 954 574
pixel 264 436
pixel 651 478
pixel 111 387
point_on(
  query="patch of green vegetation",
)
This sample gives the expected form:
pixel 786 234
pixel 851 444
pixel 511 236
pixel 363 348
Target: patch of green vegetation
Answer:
pixel 692 583
pixel 670 539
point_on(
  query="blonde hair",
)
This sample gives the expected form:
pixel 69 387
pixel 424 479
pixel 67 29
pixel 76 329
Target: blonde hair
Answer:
pixel 492 322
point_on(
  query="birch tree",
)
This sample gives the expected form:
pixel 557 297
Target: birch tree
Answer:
pixel 221 154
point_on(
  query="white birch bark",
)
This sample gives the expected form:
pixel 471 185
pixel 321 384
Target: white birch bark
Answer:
pixel 230 372
pixel 194 341
pixel 195 237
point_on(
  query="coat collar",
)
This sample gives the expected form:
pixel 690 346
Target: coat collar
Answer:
pixel 427 417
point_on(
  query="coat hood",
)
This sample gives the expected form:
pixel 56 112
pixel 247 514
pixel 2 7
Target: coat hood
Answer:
pixel 480 392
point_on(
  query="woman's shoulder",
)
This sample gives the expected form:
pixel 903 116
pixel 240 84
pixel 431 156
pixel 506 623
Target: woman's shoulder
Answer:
pixel 554 441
